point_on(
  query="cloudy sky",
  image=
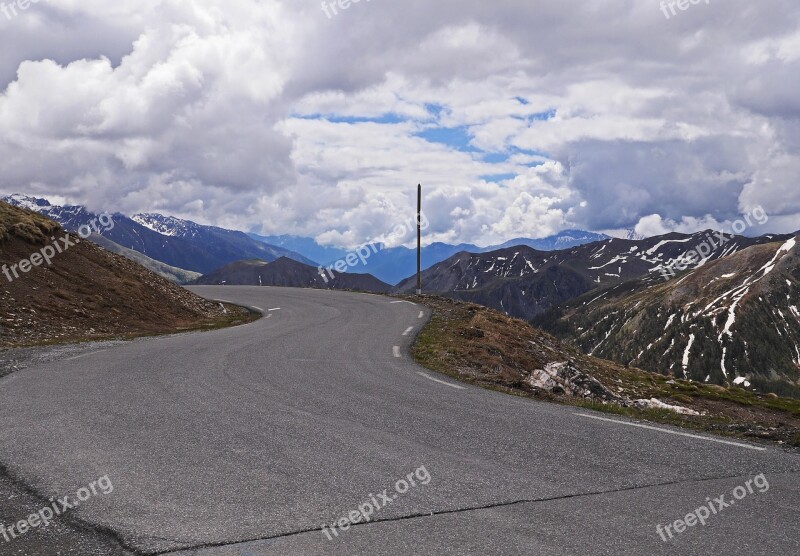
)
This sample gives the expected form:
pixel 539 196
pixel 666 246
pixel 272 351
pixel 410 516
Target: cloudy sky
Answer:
pixel 520 117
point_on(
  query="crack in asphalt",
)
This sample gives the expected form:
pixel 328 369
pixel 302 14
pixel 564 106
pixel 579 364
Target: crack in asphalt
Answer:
pixel 70 519
pixel 464 510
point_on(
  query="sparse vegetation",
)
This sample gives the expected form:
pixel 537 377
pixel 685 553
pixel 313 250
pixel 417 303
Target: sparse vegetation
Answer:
pixel 486 348
pixel 26 225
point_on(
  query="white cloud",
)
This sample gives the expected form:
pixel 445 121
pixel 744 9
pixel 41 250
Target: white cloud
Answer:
pixel 209 111
pixel 652 225
pixel 783 49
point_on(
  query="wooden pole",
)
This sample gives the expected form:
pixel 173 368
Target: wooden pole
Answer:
pixel 419 239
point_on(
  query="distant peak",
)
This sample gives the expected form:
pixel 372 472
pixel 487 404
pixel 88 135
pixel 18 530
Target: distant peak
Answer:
pixel 166 225
pixel 634 236
pixel 26 201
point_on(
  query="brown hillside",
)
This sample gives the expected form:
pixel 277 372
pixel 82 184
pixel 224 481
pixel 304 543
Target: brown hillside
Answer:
pixel 87 293
pixel 486 348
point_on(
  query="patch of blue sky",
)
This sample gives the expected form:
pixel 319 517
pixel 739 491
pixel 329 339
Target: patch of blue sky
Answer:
pixel 435 110
pixel 505 156
pixel 538 117
pixel 457 138
pixel 533 164
pixel 497 178
pixel 496 158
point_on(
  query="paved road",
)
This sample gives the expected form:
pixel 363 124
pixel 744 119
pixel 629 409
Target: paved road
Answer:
pixel 244 441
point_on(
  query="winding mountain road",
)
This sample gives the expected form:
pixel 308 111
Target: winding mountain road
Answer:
pixel 244 441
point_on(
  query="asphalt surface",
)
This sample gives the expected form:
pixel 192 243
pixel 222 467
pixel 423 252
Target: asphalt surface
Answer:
pixel 244 441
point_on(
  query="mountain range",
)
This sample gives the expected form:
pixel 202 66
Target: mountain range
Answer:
pixel 186 247
pixel 177 275
pixel 710 307
pixel 734 320
pixel 178 243
pixel 393 264
pixel 525 282
pixel 285 272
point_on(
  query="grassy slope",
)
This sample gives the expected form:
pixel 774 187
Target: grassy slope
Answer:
pixel 486 348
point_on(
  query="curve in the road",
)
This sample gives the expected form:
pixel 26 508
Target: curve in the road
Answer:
pixel 272 429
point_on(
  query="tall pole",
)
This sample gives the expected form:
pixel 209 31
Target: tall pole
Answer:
pixel 419 239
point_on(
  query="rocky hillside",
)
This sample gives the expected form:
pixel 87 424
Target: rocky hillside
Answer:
pixel 732 321
pixel 86 292
pixel 524 282
pixel 288 273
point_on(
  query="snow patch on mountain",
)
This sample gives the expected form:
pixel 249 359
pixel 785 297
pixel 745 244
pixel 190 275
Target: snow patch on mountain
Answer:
pixel 31 203
pixel 687 352
pixel 167 225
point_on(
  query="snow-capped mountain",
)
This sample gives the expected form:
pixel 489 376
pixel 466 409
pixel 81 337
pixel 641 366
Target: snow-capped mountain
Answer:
pixel 30 203
pixel 178 243
pixel 524 282
pixel 732 321
pixel 633 235
pixel 70 217
pixel 169 225
pixel 561 240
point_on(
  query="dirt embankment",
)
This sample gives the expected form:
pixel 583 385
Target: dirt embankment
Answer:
pixel 486 348
pixel 58 288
